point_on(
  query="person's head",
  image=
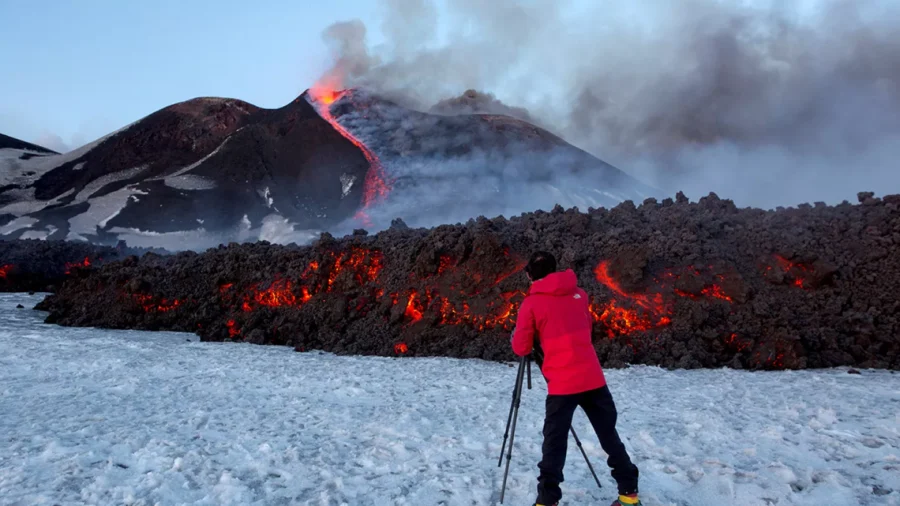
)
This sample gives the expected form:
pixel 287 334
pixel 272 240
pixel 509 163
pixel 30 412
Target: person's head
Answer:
pixel 540 265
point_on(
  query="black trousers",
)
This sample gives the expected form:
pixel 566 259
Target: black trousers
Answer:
pixel 600 409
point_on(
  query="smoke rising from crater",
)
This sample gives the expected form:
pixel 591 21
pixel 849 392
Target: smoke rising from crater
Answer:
pixel 764 103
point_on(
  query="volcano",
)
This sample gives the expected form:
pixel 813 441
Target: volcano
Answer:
pixel 214 170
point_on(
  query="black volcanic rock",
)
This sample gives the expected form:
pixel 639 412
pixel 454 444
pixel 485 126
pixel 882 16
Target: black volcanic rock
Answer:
pixel 688 285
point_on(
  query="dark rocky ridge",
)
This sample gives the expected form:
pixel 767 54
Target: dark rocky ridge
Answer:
pixel 7 142
pixel 705 284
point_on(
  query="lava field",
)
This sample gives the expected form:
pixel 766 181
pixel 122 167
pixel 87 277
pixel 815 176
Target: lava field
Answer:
pixel 32 265
pixel 672 283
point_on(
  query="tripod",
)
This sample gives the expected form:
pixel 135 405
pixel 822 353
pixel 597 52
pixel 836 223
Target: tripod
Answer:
pixel 525 368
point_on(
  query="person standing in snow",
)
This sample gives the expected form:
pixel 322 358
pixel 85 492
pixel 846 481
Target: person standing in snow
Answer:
pixel 555 319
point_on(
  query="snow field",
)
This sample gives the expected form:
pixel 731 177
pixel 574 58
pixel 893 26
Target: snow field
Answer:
pixel 93 416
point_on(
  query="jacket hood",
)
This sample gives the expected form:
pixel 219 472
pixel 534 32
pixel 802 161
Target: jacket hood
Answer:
pixel 558 283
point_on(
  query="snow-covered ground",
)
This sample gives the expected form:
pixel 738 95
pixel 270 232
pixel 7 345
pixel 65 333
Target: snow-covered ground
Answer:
pixel 110 417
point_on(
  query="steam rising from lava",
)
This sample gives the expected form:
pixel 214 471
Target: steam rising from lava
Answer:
pixel 765 105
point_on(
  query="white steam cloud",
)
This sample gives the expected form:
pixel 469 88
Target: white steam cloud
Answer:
pixel 767 103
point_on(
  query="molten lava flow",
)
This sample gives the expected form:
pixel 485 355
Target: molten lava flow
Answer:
pixel 400 348
pixel 278 294
pixel 796 270
pixel 233 330
pixel 651 310
pixel 149 305
pixel 620 320
pixel 311 268
pixel 5 270
pixel 84 263
pixel 356 261
pixel 376 186
pixel 734 341
pixel 716 292
pixel 413 308
pixel 444 263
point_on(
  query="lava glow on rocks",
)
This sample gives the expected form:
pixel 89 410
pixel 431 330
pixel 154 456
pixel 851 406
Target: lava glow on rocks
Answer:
pixel 376 186
pixel 628 312
pixel 84 263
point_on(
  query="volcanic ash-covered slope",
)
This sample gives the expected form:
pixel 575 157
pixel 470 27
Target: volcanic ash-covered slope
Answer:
pixel 671 283
pixel 449 168
pixel 209 166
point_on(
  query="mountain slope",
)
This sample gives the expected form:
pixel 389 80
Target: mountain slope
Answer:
pixel 213 170
pixel 447 169
pixel 207 166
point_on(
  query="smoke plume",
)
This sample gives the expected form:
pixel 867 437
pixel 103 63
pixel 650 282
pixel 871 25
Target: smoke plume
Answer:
pixel 765 103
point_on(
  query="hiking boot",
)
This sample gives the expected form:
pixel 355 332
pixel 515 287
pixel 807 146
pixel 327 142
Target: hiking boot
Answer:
pixel 627 500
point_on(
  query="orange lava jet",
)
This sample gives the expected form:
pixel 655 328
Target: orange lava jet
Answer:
pixel 376 186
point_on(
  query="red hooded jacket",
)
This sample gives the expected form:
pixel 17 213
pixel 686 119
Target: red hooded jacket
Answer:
pixel 557 312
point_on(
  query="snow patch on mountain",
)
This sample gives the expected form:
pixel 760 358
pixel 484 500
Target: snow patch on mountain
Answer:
pixel 101 210
pixel 102 181
pixel 189 182
pixel 347 181
pixel 17 224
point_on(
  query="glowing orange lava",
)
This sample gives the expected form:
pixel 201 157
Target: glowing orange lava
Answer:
pixel 737 343
pixel 84 263
pixel 413 308
pixel 632 312
pixel 148 303
pixel 652 311
pixel 365 265
pixel 233 330
pixel 400 348
pixel 796 270
pixel 278 294
pixel 5 270
pixel 376 186
pixel 716 292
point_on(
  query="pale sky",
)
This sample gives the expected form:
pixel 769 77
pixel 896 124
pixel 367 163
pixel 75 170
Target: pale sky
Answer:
pixel 81 69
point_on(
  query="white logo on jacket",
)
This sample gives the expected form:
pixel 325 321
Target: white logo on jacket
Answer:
pixel 576 296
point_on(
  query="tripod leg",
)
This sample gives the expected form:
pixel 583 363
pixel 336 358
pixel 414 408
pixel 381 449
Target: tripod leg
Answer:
pixel 517 400
pixel 512 405
pixel 528 360
pixel 578 442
